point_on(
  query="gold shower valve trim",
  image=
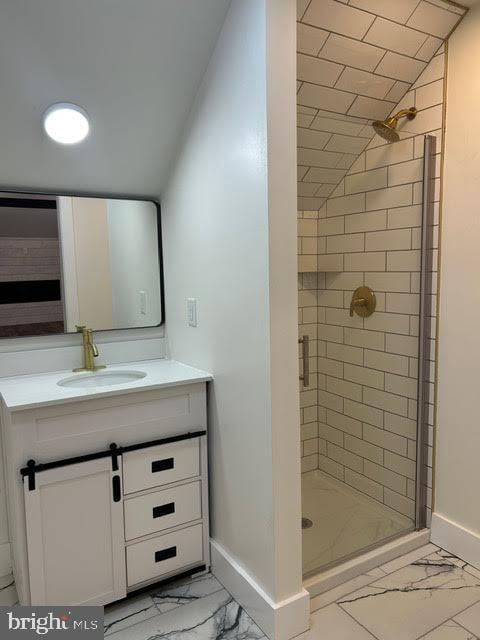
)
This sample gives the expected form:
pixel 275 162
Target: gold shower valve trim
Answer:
pixel 364 302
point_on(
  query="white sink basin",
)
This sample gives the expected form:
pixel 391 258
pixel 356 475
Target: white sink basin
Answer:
pixel 101 379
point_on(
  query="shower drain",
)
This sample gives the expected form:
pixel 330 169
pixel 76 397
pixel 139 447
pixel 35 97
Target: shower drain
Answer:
pixel 306 523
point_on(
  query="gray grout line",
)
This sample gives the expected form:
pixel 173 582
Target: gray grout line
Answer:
pixel 447 3
pixel 306 9
pixel 461 625
pixel 357 622
pixel 369 29
pixel 317 113
pixel 376 15
pixel 374 71
pixel 391 573
pixel 450 620
pixel 416 6
pixel 410 16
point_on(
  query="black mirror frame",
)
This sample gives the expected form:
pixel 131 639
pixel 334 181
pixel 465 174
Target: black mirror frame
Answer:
pixel 105 196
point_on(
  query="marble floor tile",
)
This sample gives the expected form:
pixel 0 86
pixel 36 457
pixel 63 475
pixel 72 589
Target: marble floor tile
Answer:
pixel 449 631
pixel 459 562
pixel 175 595
pixel 470 619
pixel 126 613
pixel 324 599
pixel 412 601
pixel 345 521
pixel 331 623
pixel 159 600
pixel 208 618
pixel 428 594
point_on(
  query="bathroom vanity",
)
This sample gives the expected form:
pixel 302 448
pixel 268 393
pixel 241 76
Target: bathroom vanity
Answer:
pixel 107 480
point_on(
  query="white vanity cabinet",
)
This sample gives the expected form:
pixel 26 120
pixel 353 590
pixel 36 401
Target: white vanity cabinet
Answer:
pixel 90 523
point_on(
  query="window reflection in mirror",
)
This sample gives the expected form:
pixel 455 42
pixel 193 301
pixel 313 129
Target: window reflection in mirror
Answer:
pixel 70 260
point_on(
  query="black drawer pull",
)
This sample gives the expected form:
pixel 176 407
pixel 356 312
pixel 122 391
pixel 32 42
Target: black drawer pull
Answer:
pixel 165 554
pixel 164 510
pixel 117 493
pixel 163 465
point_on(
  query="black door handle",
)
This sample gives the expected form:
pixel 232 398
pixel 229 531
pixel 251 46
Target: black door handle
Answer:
pixel 116 489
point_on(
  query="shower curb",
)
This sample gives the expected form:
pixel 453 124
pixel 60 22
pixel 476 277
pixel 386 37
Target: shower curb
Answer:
pixel 331 578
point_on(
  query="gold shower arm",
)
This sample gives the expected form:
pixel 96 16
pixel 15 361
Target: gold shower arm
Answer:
pixel 406 113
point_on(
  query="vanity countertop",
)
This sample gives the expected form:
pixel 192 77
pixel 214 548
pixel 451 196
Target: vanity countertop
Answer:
pixel 41 390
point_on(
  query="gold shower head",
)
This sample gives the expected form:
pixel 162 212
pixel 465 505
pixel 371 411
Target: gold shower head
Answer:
pixel 387 129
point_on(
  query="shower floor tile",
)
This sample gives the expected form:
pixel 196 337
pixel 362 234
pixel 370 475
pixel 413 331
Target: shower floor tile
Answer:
pixel 344 521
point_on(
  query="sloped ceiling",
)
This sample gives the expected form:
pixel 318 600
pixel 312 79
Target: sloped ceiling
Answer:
pixel 133 65
pixel 356 60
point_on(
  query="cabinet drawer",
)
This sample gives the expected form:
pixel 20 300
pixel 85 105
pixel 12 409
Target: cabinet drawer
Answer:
pixel 156 466
pixel 162 555
pixel 163 509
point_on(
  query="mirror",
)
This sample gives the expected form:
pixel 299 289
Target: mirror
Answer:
pixel 75 260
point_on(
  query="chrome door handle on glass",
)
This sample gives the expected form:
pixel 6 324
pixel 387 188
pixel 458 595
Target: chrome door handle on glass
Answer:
pixel 305 377
pixel 363 302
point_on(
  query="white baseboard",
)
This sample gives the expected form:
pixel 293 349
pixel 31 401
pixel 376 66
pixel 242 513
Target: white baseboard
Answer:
pixel 457 539
pixel 5 559
pixel 278 620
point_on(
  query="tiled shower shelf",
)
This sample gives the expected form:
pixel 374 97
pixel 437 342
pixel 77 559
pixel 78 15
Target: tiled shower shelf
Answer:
pixel 320 263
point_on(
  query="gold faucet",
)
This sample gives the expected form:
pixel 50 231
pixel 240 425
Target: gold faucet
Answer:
pixel 90 351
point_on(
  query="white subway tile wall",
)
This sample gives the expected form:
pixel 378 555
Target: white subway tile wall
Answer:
pixel 359 412
pixel 356 60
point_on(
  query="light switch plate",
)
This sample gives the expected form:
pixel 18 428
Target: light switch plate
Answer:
pixel 143 302
pixel 192 312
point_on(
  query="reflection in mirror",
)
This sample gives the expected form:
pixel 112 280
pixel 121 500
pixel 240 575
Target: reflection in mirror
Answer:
pixel 69 260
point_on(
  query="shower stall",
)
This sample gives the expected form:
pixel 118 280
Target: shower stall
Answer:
pixel 369 176
pixel 366 381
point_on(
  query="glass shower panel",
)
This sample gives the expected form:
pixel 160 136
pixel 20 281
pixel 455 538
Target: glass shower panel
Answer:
pixel 366 410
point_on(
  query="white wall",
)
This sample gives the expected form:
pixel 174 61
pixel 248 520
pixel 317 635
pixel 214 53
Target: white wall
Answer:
pixel 134 262
pixel 457 475
pixel 3 518
pixel 230 241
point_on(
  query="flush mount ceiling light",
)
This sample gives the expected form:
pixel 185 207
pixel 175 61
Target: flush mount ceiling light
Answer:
pixel 66 123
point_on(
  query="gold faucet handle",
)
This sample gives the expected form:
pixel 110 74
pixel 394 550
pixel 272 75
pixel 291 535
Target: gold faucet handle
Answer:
pixel 80 328
pixel 357 302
